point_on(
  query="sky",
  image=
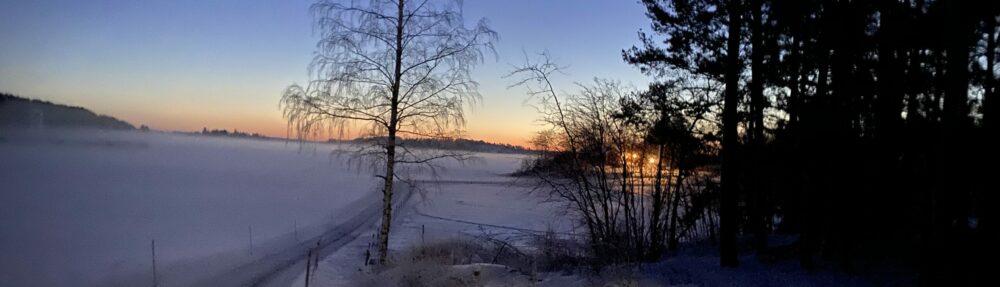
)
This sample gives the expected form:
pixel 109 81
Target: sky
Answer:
pixel 181 65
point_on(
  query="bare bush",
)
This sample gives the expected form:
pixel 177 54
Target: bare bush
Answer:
pixel 634 165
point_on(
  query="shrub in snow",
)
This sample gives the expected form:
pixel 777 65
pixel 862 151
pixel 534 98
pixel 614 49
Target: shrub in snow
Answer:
pixel 456 262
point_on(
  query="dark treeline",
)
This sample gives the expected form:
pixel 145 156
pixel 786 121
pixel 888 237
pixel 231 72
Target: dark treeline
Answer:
pixel 22 112
pixel 453 144
pixel 863 124
pixel 234 133
pixel 865 129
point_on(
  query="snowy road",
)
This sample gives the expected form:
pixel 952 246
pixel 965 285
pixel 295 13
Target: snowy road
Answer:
pixel 281 268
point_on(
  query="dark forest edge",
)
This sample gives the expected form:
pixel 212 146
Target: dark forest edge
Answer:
pixel 17 111
pixel 23 112
pixel 460 144
pixel 865 129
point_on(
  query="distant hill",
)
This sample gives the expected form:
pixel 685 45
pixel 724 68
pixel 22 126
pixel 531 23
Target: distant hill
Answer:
pixel 455 144
pixel 23 112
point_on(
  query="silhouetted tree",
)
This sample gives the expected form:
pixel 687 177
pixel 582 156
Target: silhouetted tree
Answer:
pixel 399 67
pixel 856 111
pixel 703 38
pixel 730 192
pixel 632 165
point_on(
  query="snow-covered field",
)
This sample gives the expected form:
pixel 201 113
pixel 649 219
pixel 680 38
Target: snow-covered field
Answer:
pixel 82 208
pixel 476 200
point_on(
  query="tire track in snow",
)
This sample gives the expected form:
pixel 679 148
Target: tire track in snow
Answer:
pixel 281 268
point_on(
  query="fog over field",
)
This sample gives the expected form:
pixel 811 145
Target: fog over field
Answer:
pixel 82 207
pixel 78 206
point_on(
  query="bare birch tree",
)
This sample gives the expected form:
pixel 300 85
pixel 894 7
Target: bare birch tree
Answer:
pixel 395 68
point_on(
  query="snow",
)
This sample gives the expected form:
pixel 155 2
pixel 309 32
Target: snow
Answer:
pixel 478 200
pixel 81 208
pixel 467 200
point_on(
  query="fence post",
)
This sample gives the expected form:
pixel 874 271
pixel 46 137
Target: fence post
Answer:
pixel 250 231
pixel 152 247
pixel 308 266
pixel 316 254
pixel 368 255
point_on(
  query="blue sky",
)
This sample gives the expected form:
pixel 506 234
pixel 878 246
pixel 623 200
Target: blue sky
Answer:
pixel 185 64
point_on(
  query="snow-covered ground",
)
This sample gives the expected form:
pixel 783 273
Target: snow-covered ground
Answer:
pixel 475 199
pixel 82 208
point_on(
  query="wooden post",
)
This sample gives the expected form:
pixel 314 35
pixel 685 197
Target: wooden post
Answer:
pixel 368 254
pixel 152 247
pixel 316 254
pixel 250 231
pixel 308 266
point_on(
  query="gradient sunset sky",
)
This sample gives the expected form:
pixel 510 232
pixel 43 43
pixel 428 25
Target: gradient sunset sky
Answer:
pixel 181 65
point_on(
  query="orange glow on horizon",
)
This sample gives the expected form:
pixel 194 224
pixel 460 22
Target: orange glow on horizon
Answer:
pixel 504 123
pixel 277 128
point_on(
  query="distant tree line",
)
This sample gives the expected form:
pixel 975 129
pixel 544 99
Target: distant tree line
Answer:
pixel 234 133
pixel 22 112
pixel 864 128
pixel 460 144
